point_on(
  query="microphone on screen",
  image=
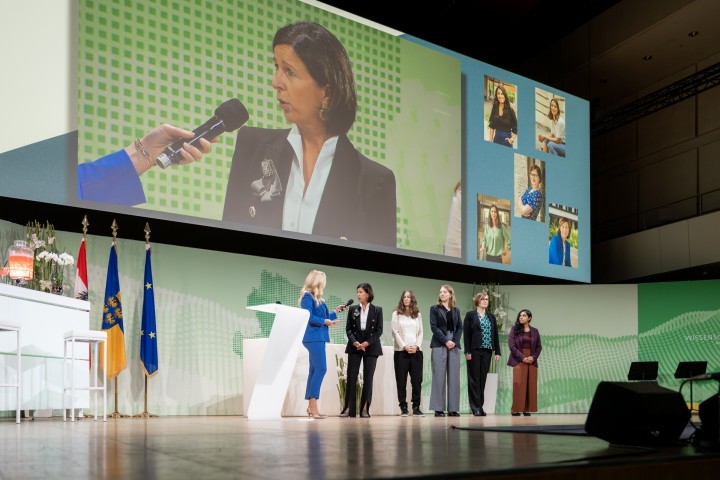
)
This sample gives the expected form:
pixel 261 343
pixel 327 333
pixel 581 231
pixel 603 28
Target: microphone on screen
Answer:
pixel 229 116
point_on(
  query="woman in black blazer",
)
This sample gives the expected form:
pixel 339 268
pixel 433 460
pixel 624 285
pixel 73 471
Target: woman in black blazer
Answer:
pixel 445 354
pixel 481 339
pixel 364 329
pixel 310 178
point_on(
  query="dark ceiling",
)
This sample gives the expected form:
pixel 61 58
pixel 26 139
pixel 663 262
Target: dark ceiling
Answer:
pixel 502 33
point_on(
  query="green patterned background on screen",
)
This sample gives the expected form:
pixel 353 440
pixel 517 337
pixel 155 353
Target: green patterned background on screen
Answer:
pixel 147 62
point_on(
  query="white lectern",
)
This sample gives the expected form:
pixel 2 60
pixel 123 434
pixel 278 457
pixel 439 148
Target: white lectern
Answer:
pixel 277 367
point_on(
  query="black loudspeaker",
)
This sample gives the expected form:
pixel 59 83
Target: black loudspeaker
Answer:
pixel 708 411
pixel 628 413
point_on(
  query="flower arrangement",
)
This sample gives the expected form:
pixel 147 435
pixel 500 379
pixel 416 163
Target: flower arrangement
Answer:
pixel 499 306
pixel 342 383
pixel 49 264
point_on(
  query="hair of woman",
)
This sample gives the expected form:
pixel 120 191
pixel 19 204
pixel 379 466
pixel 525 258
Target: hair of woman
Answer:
pixel 479 296
pixel 557 105
pixel 368 289
pixel 400 309
pixel 497 223
pixel 329 65
pixel 315 284
pixel 519 327
pixel 451 301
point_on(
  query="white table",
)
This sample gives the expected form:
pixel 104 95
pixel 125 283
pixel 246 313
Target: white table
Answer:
pixel 44 318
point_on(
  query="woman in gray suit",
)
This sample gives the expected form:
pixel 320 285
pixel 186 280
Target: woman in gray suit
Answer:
pixel 445 357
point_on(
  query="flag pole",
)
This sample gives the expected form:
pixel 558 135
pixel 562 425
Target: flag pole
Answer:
pixel 145 413
pixel 85 224
pixel 115 413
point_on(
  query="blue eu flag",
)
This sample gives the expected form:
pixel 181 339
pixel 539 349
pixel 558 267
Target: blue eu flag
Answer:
pixel 148 331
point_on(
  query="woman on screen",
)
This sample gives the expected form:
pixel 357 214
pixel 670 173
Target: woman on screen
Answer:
pixel 554 142
pixel 446 327
pixel 407 332
pixel 364 329
pixel 496 238
pixel 531 202
pixel 559 251
pixel 525 348
pixel 502 124
pixel 316 335
pixel 310 178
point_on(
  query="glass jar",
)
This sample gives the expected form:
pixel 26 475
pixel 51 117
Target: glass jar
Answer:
pixel 20 261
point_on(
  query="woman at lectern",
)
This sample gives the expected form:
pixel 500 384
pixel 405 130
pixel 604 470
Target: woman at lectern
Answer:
pixel 316 335
pixel 364 329
pixel 525 347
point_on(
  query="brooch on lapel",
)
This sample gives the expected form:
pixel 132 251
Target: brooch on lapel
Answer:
pixel 356 313
pixel 269 185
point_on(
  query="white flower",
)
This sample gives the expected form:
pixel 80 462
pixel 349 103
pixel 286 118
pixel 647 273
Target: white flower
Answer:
pixel 41 255
pixel 45 284
pixel 51 240
pixel 66 259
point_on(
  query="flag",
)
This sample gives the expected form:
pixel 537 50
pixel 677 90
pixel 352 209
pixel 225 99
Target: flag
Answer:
pixel 148 332
pixel 81 279
pixel 81 285
pixel 112 321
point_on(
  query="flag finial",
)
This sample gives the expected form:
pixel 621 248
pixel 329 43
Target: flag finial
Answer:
pixel 147 232
pixel 85 225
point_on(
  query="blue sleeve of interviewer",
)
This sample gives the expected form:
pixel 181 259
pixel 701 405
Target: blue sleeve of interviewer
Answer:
pixel 110 179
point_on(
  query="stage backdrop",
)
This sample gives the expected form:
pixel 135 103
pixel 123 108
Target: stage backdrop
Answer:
pixel 589 332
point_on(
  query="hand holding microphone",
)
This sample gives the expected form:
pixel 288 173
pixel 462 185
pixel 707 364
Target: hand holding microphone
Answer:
pixel 342 308
pixel 144 152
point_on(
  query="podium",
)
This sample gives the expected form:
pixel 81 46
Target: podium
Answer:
pixel 279 361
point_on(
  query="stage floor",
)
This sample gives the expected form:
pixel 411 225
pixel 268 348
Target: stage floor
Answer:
pixel 299 448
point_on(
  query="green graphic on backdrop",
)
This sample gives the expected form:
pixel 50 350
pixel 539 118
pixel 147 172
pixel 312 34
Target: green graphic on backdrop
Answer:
pixel 680 322
pixel 147 62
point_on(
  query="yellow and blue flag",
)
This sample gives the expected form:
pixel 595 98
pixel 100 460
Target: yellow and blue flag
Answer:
pixel 148 332
pixel 112 321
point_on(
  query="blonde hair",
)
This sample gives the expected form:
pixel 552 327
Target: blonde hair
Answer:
pixel 451 301
pixel 314 284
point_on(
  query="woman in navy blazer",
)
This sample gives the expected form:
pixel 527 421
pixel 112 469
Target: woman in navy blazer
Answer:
pixel 445 354
pixel 364 329
pixel 316 335
pixel 481 340
pixel 525 348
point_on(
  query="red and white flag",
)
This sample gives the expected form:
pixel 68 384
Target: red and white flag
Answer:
pixel 81 280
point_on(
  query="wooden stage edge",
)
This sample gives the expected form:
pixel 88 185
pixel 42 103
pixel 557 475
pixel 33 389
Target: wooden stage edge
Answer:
pixel 334 448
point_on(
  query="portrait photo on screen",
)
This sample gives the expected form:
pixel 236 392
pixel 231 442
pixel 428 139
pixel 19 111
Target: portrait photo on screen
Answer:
pixel 550 122
pixel 501 114
pixel 494 237
pixel 322 126
pixel 529 188
pixel 563 236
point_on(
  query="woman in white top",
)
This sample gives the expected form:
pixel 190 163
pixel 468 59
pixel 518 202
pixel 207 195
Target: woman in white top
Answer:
pixel 407 332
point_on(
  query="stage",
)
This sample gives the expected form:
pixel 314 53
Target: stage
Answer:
pixel 334 448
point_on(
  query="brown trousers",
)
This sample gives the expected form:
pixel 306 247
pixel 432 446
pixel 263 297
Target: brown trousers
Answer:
pixel 524 386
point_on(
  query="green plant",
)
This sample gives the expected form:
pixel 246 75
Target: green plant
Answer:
pixel 342 383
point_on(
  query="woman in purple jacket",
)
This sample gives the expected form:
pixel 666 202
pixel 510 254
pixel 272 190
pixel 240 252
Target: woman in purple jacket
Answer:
pixel 525 348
